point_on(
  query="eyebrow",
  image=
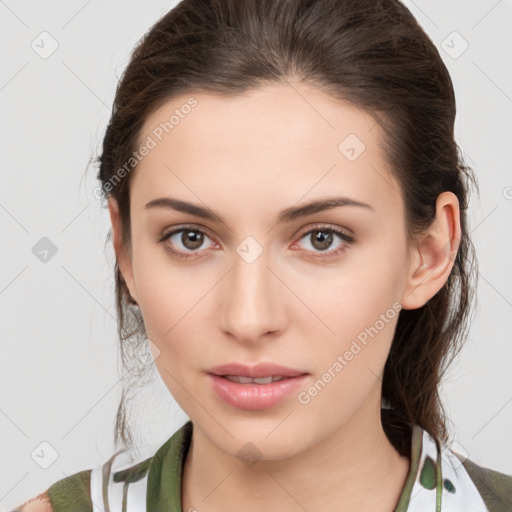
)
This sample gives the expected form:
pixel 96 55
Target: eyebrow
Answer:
pixel 286 215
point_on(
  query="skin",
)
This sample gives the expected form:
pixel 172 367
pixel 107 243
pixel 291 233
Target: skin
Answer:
pixel 247 158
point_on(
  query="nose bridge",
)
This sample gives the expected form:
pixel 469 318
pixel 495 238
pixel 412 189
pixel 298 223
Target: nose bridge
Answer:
pixel 251 305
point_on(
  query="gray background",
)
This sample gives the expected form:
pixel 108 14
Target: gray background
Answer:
pixel 59 365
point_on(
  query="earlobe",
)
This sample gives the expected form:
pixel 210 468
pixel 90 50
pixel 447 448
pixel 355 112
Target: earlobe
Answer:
pixel 434 255
pixel 123 260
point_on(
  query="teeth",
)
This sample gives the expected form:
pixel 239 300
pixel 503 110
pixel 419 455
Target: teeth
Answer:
pixel 263 380
pixel 241 380
pixel 249 380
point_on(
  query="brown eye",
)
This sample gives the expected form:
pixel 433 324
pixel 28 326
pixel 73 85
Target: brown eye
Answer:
pixel 192 239
pixel 184 242
pixel 321 239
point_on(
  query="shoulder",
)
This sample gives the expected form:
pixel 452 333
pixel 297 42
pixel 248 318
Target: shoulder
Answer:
pixel 69 493
pixel 117 482
pixel 445 474
pixel 40 503
pixel 103 485
pixel 494 487
pixel 74 489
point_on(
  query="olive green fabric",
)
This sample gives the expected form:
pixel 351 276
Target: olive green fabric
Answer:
pixel 494 487
pixel 164 480
pixel 72 493
pixel 405 496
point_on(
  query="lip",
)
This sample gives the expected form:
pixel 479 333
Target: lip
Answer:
pixel 257 371
pixel 255 396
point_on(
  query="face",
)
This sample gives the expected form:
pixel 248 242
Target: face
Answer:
pixel 317 291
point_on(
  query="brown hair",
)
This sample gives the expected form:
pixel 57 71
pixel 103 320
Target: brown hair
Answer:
pixel 372 53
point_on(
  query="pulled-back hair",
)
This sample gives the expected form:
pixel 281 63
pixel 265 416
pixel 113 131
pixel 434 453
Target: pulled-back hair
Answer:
pixel 371 53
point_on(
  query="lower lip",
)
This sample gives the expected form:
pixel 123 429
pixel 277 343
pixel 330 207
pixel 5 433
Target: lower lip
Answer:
pixel 254 396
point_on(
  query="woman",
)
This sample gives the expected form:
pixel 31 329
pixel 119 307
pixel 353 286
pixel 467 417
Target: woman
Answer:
pixel 289 215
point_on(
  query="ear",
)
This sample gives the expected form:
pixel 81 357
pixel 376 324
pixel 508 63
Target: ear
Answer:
pixel 123 259
pixel 433 257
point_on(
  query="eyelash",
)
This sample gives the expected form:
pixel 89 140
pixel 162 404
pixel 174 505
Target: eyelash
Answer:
pixel 349 240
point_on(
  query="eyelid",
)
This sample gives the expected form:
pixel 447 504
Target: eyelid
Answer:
pixel 327 227
pixel 192 227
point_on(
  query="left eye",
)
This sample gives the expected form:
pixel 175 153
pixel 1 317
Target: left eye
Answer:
pixel 321 239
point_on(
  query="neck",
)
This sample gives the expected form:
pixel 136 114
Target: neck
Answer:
pixel 356 468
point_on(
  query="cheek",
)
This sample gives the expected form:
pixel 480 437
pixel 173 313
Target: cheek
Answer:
pixel 363 336
pixel 350 362
pixel 172 300
pixel 166 292
pixel 351 301
pixel 358 311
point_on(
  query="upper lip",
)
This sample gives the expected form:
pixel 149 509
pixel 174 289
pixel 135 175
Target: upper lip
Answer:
pixel 257 371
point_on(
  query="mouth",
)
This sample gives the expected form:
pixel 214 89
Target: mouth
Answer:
pixel 254 387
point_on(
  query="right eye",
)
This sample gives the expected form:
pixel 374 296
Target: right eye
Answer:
pixel 190 238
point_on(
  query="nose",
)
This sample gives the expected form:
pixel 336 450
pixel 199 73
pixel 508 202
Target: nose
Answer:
pixel 252 303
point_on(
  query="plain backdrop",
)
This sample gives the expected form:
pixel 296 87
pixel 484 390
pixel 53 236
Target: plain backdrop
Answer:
pixel 59 365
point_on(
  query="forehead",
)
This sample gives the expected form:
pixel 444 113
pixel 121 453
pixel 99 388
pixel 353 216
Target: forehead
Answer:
pixel 283 138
